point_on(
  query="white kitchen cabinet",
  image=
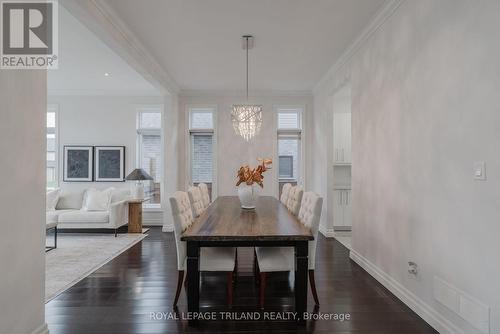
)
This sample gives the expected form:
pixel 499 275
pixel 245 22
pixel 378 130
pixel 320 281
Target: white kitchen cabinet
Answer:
pixel 342 138
pixel 342 208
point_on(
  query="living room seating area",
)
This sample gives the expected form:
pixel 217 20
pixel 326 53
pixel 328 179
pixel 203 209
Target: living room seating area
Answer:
pixel 88 209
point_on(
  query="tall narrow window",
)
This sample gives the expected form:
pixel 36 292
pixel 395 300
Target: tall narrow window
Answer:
pixel 52 176
pixel 201 133
pixel 150 152
pixel 289 146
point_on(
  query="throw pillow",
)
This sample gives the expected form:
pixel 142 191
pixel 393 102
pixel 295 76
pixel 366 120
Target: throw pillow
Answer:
pixel 70 200
pixel 97 200
pixel 51 199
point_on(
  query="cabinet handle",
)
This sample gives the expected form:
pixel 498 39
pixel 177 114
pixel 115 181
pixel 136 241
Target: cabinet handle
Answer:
pixel 347 197
pixel 340 197
pixel 343 155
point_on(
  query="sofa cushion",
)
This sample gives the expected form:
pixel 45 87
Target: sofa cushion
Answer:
pixel 97 200
pixel 52 216
pixel 51 199
pixel 82 216
pixel 70 200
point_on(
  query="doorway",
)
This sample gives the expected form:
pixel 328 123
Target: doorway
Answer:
pixel 340 192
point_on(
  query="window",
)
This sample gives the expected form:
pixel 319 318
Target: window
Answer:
pixel 289 145
pixel 286 166
pixel 52 176
pixel 201 133
pixel 150 152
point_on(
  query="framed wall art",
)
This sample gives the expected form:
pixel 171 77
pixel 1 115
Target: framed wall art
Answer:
pixel 78 164
pixel 109 163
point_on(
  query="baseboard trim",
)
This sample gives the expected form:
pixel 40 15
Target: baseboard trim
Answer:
pixel 329 233
pixel 167 228
pixel 152 222
pixel 43 329
pixel 425 311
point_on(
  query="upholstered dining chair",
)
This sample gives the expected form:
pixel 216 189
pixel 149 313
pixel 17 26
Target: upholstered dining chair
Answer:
pixel 285 191
pixel 294 199
pixel 196 200
pixel 205 196
pixel 211 258
pixel 273 259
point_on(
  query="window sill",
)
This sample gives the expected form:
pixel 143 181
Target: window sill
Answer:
pixel 152 207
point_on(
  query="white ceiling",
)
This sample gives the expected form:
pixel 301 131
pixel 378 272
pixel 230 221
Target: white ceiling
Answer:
pixel 198 41
pixel 83 60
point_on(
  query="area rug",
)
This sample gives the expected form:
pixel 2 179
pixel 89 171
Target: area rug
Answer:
pixel 77 256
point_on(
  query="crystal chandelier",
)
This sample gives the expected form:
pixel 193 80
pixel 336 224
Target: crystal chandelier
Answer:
pixel 246 118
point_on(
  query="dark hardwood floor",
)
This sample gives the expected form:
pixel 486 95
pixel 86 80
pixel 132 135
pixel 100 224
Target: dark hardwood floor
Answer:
pixel 120 296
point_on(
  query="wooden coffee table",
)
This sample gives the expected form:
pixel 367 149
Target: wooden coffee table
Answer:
pixel 135 215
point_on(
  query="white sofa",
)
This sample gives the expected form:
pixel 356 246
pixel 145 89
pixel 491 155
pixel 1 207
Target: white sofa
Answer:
pixel 69 211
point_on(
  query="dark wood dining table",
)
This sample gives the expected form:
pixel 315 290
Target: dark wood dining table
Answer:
pixel 226 224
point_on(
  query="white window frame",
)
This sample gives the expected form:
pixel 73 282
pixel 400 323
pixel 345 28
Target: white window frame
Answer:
pixel 189 110
pixel 292 132
pixel 148 108
pixel 53 107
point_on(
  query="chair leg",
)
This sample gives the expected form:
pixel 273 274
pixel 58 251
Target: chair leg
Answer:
pixel 230 288
pixel 116 232
pixel 262 289
pixel 256 271
pixel 235 277
pixel 179 286
pixel 312 282
pixel 55 237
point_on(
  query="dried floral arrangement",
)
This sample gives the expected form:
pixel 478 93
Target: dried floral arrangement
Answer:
pixel 251 176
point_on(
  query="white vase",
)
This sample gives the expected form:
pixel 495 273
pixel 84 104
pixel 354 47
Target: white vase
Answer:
pixel 248 195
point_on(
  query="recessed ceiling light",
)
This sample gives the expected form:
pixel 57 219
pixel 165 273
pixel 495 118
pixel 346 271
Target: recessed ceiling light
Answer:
pixel 106 74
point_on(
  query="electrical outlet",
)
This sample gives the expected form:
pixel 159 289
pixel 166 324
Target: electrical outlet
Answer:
pixel 480 170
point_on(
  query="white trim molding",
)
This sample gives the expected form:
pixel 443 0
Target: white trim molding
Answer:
pixel 242 93
pixel 102 92
pixel 425 311
pixel 167 228
pixel 378 20
pixel 42 329
pixel 328 232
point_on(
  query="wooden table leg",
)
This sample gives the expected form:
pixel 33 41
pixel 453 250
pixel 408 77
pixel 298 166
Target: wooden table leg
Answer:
pixel 193 278
pixel 301 268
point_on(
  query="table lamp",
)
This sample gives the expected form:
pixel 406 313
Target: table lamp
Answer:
pixel 138 175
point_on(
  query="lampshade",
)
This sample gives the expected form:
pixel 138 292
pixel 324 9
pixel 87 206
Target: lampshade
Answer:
pixel 138 174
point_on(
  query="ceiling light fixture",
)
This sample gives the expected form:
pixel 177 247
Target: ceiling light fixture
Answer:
pixel 106 74
pixel 246 118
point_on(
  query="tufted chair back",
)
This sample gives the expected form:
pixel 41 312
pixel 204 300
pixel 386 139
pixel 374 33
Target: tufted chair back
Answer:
pixel 205 196
pixel 183 218
pixel 309 215
pixel 196 201
pixel 294 199
pixel 285 192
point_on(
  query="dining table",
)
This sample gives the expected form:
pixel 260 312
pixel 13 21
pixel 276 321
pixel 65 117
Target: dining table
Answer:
pixel 226 224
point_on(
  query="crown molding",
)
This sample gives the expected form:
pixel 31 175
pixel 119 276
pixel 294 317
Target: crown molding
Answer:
pixel 242 93
pixel 376 22
pixel 102 92
pixel 103 21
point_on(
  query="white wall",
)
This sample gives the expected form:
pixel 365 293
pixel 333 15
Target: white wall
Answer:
pixel 232 150
pixel 425 97
pixel 22 201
